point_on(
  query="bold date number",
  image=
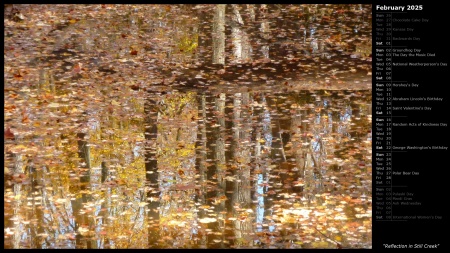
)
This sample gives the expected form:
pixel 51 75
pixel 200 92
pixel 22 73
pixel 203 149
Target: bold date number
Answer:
pixel 414 7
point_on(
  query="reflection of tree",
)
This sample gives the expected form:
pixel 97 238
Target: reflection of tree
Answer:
pixel 300 149
pixel 151 171
pixel 201 147
pixel 112 213
pixel 175 152
pixel 45 197
pixel 317 131
pixel 242 49
pixel 310 137
pixel 220 161
pixel 265 33
pixel 41 206
pixel 218 35
pixel 241 196
pixel 262 162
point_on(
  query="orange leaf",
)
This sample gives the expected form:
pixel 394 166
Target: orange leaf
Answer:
pixel 9 108
pixel 25 119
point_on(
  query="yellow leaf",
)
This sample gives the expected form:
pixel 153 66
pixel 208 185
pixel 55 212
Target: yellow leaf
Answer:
pixel 54 105
pixel 207 220
pixel 74 110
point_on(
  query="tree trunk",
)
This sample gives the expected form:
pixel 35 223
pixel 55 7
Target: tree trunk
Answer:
pixel 218 35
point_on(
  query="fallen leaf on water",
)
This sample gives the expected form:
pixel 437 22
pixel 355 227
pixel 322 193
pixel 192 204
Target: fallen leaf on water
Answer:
pixel 8 134
pixel 142 204
pixel 54 105
pixel 207 220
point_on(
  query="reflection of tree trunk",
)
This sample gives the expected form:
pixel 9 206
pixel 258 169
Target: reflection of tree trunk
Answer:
pixel 220 144
pixel 251 12
pixel 77 204
pixel 46 81
pixel 176 167
pixel 17 217
pixel 204 41
pixel 241 197
pixel 218 35
pixel 277 149
pixel 298 151
pixel 35 244
pixel 104 213
pixel 202 151
pixel 265 33
pixel 152 171
pixel 242 48
pixel 220 162
pixel 83 153
pixel 40 229
pixel 201 148
pixel 263 138
pixel 104 172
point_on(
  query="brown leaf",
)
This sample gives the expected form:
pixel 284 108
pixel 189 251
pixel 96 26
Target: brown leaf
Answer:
pixel 77 68
pixel 184 187
pixel 18 75
pixel 134 87
pixel 8 134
